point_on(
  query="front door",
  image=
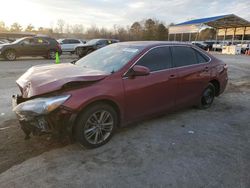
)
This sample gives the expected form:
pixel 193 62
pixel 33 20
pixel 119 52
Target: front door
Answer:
pixel 146 95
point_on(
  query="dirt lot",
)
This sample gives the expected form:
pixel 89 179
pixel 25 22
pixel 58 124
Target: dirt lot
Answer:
pixel 190 148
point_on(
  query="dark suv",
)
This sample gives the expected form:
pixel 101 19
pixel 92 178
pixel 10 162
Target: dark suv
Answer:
pixel 92 45
pixel 31 46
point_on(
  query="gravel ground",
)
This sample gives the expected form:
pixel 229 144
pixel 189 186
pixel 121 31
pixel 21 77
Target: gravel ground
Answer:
pixel 189 148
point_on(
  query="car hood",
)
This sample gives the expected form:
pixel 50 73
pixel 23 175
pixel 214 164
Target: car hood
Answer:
pixel 84 45
pixel 43 79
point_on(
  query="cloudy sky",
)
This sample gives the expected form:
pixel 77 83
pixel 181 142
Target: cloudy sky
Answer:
pixel 106 13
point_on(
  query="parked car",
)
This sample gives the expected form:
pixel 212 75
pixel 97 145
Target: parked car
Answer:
pixel 3 41
pixel 114 86
pixel 92 45
pixel 244 47
pixel 210 44
pixel 31 46
pixel 201 45
pixel 69 45
pixel 217 46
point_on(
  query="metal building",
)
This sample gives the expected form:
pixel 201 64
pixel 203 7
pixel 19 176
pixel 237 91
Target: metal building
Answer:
pixel 227 26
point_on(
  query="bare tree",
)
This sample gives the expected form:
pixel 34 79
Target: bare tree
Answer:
pixel 15 27
pixel 60 24
pixel 2 26
pixel 77 28
pixel 29 28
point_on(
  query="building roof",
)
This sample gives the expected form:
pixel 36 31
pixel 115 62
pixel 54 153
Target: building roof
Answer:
pixel 201 20
pixel 223 21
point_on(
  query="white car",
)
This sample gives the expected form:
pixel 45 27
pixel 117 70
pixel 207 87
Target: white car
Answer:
pixel 69 45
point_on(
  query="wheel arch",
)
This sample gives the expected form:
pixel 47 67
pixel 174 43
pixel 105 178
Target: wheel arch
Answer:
pixel 216 85
pixel 103 101
pixel 9 48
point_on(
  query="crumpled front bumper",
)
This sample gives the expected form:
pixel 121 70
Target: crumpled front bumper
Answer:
pixel 59 122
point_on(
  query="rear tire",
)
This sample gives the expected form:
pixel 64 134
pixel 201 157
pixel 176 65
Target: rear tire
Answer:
pixel 96 125
pixel 52 54
pixel 10 55
pixel 207 97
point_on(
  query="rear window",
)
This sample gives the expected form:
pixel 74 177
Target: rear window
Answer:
pixel 201 58
pixel 73 41
pixel 183 56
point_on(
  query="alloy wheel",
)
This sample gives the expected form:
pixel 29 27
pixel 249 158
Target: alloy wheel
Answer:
pixel 10 55
pixel 98 127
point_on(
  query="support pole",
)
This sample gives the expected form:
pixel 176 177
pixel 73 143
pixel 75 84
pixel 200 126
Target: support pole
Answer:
pixel 233 35
pixel 175 37
pixel 196 37
pixel 242 38
pixel 216 37
pixel 189 37
pixel 181 37
pixel 168 36
pixel 225 36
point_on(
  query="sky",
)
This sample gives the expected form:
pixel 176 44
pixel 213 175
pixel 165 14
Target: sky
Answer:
pixel 107 13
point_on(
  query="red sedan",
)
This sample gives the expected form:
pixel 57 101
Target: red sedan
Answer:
pixel 116 85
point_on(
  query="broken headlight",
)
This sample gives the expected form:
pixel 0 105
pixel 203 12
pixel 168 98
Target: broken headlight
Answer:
pixel 40 106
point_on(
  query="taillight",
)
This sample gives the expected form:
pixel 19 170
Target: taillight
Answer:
pixel 58 46
pixel 225 66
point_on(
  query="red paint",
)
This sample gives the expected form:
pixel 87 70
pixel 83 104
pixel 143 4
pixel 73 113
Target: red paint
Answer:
pixel 136 97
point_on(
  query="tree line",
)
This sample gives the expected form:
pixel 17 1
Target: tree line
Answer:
pixel 147 29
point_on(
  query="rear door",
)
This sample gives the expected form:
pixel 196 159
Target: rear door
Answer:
pixel 40 46
pixel 65 45
pixel 73 44
pixel 146 95
pixel 193 74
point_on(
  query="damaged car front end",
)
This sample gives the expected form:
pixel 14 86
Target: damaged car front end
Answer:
pixel 44 90
pixel 42 115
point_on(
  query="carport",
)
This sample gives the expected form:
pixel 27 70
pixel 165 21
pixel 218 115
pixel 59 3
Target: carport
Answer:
pixel 228 27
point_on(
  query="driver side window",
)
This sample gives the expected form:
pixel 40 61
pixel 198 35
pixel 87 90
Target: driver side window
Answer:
pixel 28 41
pixel 156 59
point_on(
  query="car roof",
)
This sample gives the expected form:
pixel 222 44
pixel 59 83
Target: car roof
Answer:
pixel 153 43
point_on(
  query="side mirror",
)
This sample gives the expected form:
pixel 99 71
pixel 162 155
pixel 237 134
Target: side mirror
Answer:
pixel 138 70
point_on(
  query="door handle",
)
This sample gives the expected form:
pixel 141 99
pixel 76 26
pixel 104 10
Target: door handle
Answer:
pixel 172 76
pixel 206 69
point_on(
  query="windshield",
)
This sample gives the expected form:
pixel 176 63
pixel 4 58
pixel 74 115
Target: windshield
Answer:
pixel 91 42
pixel 18 40
pixel 109 59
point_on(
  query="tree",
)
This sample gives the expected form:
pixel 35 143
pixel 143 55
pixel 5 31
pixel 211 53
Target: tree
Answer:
pixel 206 34
pixel 162 32
pixel 149 29
pixel 77 28
pixel 30 28
pixel 15 27
pixel 136 31
pixel 2 26
pixel 60 24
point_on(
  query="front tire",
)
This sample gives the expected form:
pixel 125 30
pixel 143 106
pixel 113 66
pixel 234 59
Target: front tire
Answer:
pixel 10 55
pixel 96 125
pixel 207 97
